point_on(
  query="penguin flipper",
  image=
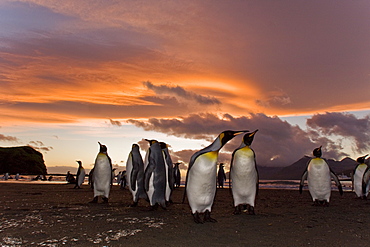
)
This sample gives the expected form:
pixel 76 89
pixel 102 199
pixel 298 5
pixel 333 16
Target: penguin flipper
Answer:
pixel 148 173
pixel 303 178
pixel 365 180
pixel 337 182
pixel 133 178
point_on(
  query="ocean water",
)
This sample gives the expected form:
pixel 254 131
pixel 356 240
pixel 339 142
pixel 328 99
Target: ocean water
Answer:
pixel 263 184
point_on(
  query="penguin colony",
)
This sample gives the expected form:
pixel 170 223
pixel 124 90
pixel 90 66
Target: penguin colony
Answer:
pixel 154 178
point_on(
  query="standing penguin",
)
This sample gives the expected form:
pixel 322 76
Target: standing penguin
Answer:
pixel 244 175
pixel 221 176
pixel 177 175
pixel 102 175
pixel 135 175
pixel 169 172
pixel 318 175
pixel 80 177
pixel 366 181
pixel 200 186
pixel 155 176
pixel 357 177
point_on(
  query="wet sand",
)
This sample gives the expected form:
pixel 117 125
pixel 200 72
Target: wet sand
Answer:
pixel 58 215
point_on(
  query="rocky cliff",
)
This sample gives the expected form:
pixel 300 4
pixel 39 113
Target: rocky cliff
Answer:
pixel 23 160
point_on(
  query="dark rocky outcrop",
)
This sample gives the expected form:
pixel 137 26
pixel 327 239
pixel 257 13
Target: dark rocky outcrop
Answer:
pixel 23 160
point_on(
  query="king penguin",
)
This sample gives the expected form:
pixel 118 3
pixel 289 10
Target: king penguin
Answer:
pixel 200 186
pixel 366 183
pixel 169 172
pixel 135 175
pixel 102 176
pixel 244 175
pixel 357 177
pixel 177 175
pixel 318 175
pixel 80 177
pixel 155 176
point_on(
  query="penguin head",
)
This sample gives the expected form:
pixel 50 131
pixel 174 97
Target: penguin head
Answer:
pixel 134 146
pixel 227 135
pixel 248 137
pixel 317 152
pixel 151 142
pixel 103 148
pixel 221 165
pixel 79 162
pixel 163 145
pixel 361 159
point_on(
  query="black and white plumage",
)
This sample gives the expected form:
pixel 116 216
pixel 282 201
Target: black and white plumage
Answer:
pixel 80 176
pixel 102 175
pixel 319 175
pixel 244 175
pixel 135 175
pixel 357 177
pixel 155 175
pixel 200 186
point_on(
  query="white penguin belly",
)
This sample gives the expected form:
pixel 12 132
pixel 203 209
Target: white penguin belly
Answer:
pixel 357 179
pixel 168 189
pixel 319 180
pixel 129 168
pixel 244 177
pixel 201 184
pixel 150 192
pixel 102 176
pixel 81 177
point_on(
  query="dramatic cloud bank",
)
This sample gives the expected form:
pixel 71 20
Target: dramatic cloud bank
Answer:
pixel 345 125
pixel 277 142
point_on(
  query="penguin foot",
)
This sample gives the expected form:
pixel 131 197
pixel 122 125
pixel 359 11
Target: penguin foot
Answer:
pixel 134 204
pixel 207 217
pixel 237 210
pixel 154 207
pixel 168 203
pixel 251 210
pixel 95 200
pixel 105 200
pixel 316 203
pixel 197 219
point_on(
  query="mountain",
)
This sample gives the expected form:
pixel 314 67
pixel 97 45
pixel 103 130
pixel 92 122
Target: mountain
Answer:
pixel 23 160
pixel 295 171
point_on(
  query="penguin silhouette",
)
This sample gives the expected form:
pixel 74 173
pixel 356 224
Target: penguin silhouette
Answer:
pixel 221 176
pixel 80 177
pixel 177 175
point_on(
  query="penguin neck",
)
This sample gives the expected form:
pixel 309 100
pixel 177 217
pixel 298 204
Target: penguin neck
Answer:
pixel 215 146
pixel 242 145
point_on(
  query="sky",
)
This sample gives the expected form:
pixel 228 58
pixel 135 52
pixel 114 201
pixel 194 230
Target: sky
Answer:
pixel 73 73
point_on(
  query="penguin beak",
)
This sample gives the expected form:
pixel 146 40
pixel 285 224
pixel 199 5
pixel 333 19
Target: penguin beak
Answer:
pixel 240 132
pixel 253 133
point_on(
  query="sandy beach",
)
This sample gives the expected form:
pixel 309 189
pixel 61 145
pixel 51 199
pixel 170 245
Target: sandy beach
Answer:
pixel 58 215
